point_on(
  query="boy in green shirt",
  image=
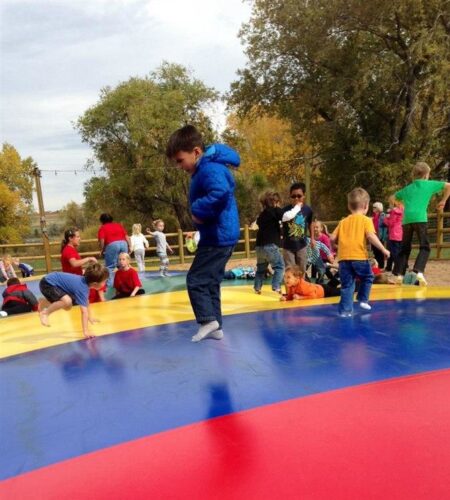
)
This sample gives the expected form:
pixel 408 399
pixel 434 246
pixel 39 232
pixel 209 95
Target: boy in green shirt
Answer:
pixel 416 198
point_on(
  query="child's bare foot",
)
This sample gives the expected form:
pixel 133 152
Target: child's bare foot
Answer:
pixel 43 316
pixel 89 335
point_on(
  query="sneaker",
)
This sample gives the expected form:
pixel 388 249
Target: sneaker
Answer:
pixel 365 306
pixel 166 274
pixel 345 315
pixel 421 279
pixel 3 314
pixel 161 273
pixel 258 292
pixel 277 290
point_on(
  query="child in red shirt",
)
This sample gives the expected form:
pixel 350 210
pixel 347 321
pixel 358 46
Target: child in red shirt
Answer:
pixel 126 279
pixel 298 288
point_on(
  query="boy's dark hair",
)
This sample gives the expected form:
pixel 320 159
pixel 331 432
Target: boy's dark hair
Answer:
pixel 13 281
pixel 96 273
pixel 184 139
pixel 104 218
pixel 68 233
pixel 298 185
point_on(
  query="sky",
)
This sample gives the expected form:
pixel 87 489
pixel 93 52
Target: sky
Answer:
pixel 56 55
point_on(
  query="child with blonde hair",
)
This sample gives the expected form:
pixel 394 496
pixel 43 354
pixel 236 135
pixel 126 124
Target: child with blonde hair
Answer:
pixel 6 268
pixel 25 268
pixel 351 235
pixel 416 198
pixel 126 279
pixel 393 221
pixel 162 247
pixel 138 245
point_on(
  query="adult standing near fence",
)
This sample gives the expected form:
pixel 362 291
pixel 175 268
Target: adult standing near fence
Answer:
pixel 113 240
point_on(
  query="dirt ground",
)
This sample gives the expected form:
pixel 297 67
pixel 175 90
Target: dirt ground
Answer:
pixel 437 271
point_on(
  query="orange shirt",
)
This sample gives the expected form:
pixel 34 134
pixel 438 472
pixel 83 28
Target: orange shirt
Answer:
pixel 306 290
pixel 351 235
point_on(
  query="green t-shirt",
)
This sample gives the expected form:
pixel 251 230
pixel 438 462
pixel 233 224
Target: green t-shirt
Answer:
pixel 416 197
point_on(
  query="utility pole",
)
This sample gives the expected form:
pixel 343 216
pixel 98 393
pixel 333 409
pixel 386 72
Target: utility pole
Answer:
pixel 48 259
pixel 308 181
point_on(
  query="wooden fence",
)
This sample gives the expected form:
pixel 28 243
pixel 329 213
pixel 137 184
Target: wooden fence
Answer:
pixel 439 233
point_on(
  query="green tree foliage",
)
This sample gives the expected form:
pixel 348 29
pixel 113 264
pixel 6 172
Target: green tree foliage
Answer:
pixel 16 189
pixel 72 215
pixel 365 83
pixel 128 130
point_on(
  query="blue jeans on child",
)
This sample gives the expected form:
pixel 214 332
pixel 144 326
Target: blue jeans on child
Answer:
pixel 111 254
pixel 269 254
pixel 203 282
pixel 349 270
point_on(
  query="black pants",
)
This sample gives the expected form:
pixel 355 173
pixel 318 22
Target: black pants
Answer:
pixel 394 247
pixel 379 256
pixel 17 308
pixel 401 264
pixel 331 291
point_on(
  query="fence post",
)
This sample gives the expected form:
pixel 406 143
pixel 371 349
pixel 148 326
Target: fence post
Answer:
pixel 48 259
pixel 247 241
pixel 181 246
pixel 439 233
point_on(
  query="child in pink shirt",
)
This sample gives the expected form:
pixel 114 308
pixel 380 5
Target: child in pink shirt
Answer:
pixel 393 221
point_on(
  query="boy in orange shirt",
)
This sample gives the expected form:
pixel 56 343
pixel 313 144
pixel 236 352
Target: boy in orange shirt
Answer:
pixel 352 235
pixel 297 288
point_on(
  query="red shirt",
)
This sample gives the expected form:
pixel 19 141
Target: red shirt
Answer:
pixel 111 231
pixel 94 296
pixel 69 252
pixel 126 281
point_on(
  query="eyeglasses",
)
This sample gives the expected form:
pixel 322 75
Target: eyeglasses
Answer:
pixel 297 196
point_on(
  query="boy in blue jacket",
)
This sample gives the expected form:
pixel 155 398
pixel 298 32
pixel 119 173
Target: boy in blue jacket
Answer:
pixel 215 215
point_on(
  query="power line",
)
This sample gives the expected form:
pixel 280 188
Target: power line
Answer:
pixel 57 171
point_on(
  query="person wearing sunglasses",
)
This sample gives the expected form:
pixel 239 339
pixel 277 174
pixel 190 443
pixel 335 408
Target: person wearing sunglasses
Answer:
pixel 297 223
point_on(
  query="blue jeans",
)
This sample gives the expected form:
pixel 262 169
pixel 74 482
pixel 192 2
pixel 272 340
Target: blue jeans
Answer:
pixel 203 282
pixel 349 270
pixel 111 254
pixel 269 254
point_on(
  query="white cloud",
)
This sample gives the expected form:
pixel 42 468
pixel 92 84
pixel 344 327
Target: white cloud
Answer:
pixel 57 55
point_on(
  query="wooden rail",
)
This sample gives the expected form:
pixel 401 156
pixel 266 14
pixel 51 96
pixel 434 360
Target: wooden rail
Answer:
pixel 244 248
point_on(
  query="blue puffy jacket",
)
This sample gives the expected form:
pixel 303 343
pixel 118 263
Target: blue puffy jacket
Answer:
pixel 211 196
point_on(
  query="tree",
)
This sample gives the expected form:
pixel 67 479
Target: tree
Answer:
pixel 365 83
pixel 73 215
pixel 268 149
pixel 128 130
pixel 16 188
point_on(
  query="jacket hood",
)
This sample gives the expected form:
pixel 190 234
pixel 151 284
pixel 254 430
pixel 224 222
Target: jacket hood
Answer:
pixel 221 153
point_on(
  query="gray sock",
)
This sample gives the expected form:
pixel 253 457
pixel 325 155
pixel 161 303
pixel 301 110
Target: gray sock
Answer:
pixel 205 330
